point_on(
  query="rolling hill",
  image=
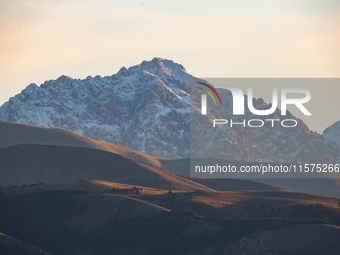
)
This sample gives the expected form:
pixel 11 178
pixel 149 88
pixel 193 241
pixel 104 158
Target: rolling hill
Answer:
pixel 26 164
pixel 14 134
pixel 105 217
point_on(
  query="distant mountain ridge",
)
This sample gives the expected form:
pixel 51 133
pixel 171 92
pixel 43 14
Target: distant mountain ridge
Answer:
pixel 147 108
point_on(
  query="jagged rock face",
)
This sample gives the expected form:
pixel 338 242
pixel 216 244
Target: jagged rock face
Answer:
pixel 332 133
pixel 144 107
pixel 147 108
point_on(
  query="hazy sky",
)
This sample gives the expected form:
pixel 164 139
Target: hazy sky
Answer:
pixel 43 39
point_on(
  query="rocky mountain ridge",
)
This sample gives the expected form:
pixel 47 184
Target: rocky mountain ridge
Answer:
pixel 148 108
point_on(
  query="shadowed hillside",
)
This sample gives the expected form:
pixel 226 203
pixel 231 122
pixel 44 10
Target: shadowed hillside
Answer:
pixel 78 196
pixel 104 218
pixel 13 246
pixel 14 134
pixel 26 164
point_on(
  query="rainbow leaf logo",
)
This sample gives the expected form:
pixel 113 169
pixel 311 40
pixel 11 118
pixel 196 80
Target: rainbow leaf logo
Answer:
pixel 209 93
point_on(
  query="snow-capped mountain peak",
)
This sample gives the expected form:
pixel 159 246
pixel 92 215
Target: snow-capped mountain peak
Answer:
pixel 147 107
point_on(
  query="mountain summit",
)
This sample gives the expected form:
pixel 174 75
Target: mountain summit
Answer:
pixel 144 107
pixel 147 108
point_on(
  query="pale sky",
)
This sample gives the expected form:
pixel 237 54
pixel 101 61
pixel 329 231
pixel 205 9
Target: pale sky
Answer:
pixel 44 39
